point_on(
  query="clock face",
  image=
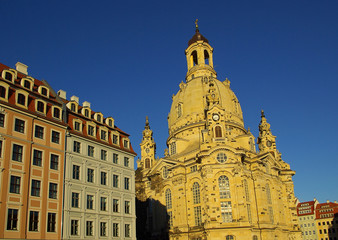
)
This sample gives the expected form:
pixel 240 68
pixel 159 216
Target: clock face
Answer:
pixel 215 117
pixel 269 143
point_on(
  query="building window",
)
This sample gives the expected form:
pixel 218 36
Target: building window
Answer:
pixel 126 144
pixel 115 181
pixel 103 205
pixel 103 154
pixel 168 199
pixel 246 189
pixel 103 135
pixel 179 110
pixel 3 92
pixel 53 190
pixel 91 130
pixel 218 131
pixel 0 148
pixel 19 126
pixel 221 157
pixel 172 148
pixel 193 168
pixel 27 84
pixel 90 201
pixel 54 161
pixel 224 187
pixel 8 76
pixel 268 193
pixel 127 207
pixel 17 153
pixel 33 221
pixel 89 228
pixel 198 215
pixel 37 157
pixel 12 219
pixel 126 183
pixel 77 126
pixel 115 139
pixel 55 137
pixel 110 123
pixel 103 178
pixel 271 214
pixel 40 107
pixel 103 229
pixel 73 107
pixel 90 151
pixel 44 91
pixel 126 162
pixel 15 185
pixel 115 158
pixel 196 193
pixel 254 237
pixel 86 112
pixel 115 229
pixel 226 211
pixel 56 112
pixel 74 227
pixel 165 172
pixel 147 163
pixel 170 216
pixel 115 205
pixel 248 208
pixel 98 118
pixel 76 172
pixel 36 185
pixel 2 120
pixel 76 147
pixel 229 237
pixel 21 99
pixel 127 230
pixel 90 175
pixel 75 200
pixel 51 222
pixel 38 131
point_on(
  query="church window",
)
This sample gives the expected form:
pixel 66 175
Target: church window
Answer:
pixel 196 193
pixel 271 214
pixel 168 199
pixel 172 148
pixel 226 211
pixel 254 237
pixel 198 215
pixel 194 58
pixel 224 187
pixel 221 157
pixel 248 208
pixel 165 172
pixel 229 237
pixel 206 57
pixel 246 189
pixel 218 131
pixel 268 193
pixel 179 110
pixel 147 163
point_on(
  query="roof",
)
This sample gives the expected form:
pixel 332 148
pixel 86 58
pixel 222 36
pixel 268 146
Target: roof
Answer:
pixel 197 37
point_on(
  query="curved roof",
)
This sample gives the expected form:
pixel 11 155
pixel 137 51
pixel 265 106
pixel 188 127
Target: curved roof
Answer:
pixel 197 37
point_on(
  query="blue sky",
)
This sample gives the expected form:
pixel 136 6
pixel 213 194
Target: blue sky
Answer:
pixel 127 59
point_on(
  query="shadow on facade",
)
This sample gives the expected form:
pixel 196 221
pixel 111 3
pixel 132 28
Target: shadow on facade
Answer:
pixel 333 229
pixel 152 222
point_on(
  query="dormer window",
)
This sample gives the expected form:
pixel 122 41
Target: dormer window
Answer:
pixel 126 144
pixel 56 112
pixel 72 107
pixel 27 84
pixel 77 124
pixel 44 91
pixel 103 135
pixel 91 130
pixel 40 107
pixel 98 118
pixel 21 99
pixel 3 92
pixel 86 113
pixel 8 76
pixel 115 139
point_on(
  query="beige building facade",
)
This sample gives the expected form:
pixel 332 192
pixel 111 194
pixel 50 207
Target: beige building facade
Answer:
pixel 212 183
pixel 306 217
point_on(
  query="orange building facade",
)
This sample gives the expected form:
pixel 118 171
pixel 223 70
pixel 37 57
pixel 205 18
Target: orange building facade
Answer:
pixel 32 133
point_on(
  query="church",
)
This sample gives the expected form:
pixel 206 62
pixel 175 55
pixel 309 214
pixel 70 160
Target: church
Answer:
pixel 212 182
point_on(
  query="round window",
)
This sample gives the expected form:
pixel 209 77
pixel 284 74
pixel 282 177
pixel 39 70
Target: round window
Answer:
pixel 221 157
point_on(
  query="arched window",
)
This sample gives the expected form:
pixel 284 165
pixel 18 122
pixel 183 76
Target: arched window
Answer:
pixel 110 122
pixel 206 57
pixel 229 237
pixel 8 76
pixel 224 187
pixel 246 189
pixel 56 113
pixel 27 84
pixel 218 131
pixel 147 163
pixel 98 118
pixel 40 107
pixel 72 107
pixel 179 110
pixel 196 193
pixel 172 148
pixel 44 91
pixel 22 99
pixel 86 112
pixel 194 58
pixel 165 172
pixel 168 202
pixel 268 194
pixel 3 92
pixel 254 237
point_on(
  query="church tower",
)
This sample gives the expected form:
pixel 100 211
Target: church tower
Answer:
pixel 212 183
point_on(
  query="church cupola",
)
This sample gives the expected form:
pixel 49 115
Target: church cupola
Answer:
pixel 199 57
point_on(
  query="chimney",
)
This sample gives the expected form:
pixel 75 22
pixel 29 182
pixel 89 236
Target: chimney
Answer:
pixel 20 67
pixel 62 94
pixel 74 98
pixel 86 104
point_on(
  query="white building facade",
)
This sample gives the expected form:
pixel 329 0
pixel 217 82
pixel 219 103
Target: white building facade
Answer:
pixel 99 190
